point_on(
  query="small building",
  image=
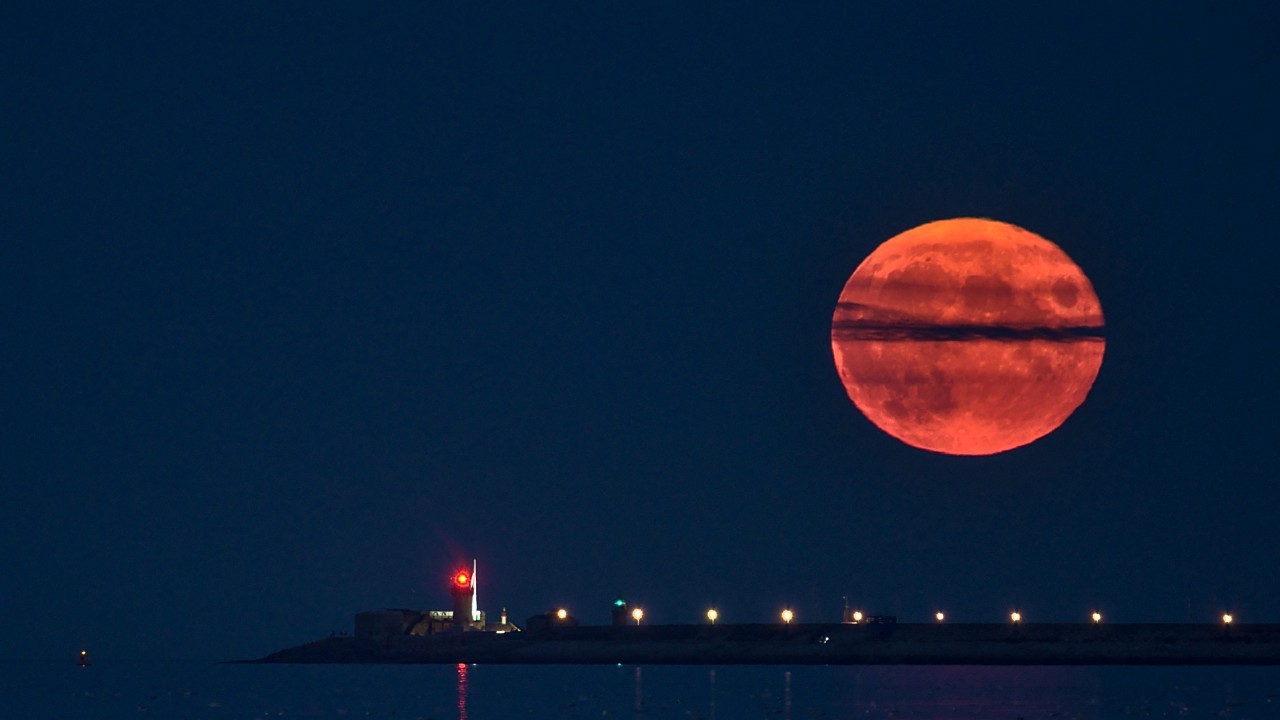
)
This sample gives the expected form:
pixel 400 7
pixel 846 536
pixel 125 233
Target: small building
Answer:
pixel 432 622
pixel 502 626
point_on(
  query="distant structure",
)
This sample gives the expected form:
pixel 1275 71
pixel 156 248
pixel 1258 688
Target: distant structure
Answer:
pixel 618 615
pixel 853 616
pixel 465 616
pixel 551 619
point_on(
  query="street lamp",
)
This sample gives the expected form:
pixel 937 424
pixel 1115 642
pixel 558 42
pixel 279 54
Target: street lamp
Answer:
pixel 712 615
pixel 857 616
pixel 1097 617
pixel 787 615
pixel 1015 616
pixel 939 616
pixel 1227 619
pixel 637 614
pixel 562 613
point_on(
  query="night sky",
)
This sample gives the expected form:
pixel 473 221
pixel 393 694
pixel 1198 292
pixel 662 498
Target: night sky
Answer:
pixel 305 303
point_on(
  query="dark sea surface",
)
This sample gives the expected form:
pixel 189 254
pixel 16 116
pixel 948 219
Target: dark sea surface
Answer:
pixel 207 690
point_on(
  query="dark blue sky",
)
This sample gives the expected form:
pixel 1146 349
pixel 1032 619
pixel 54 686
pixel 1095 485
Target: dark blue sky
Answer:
pixel 306 302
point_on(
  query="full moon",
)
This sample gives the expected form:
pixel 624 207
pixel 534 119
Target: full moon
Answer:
pixel 967 336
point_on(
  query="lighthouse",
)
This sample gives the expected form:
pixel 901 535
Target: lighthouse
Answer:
pixel 466 612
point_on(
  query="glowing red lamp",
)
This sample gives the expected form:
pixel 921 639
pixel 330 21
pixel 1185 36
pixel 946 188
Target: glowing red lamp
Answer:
pixel 462 579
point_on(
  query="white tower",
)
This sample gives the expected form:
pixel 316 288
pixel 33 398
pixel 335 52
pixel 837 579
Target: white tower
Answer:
pixel 475 607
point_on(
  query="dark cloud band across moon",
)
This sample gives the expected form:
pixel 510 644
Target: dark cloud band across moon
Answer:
pixel 888 331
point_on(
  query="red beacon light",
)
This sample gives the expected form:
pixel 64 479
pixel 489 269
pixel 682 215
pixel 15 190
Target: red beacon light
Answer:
pixel 462 579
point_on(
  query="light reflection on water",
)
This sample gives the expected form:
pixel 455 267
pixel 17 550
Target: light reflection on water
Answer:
pixel 786 695
pixel 712 682
pixel 462 691
pixel 470 692
pixel 639 680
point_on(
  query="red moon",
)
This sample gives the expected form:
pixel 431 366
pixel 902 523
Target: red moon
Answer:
pixel 967 336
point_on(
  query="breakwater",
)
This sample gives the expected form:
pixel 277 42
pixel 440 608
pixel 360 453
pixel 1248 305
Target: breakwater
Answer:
pixel 821 644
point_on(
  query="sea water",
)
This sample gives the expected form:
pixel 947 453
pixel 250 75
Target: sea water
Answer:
pixel 484 692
